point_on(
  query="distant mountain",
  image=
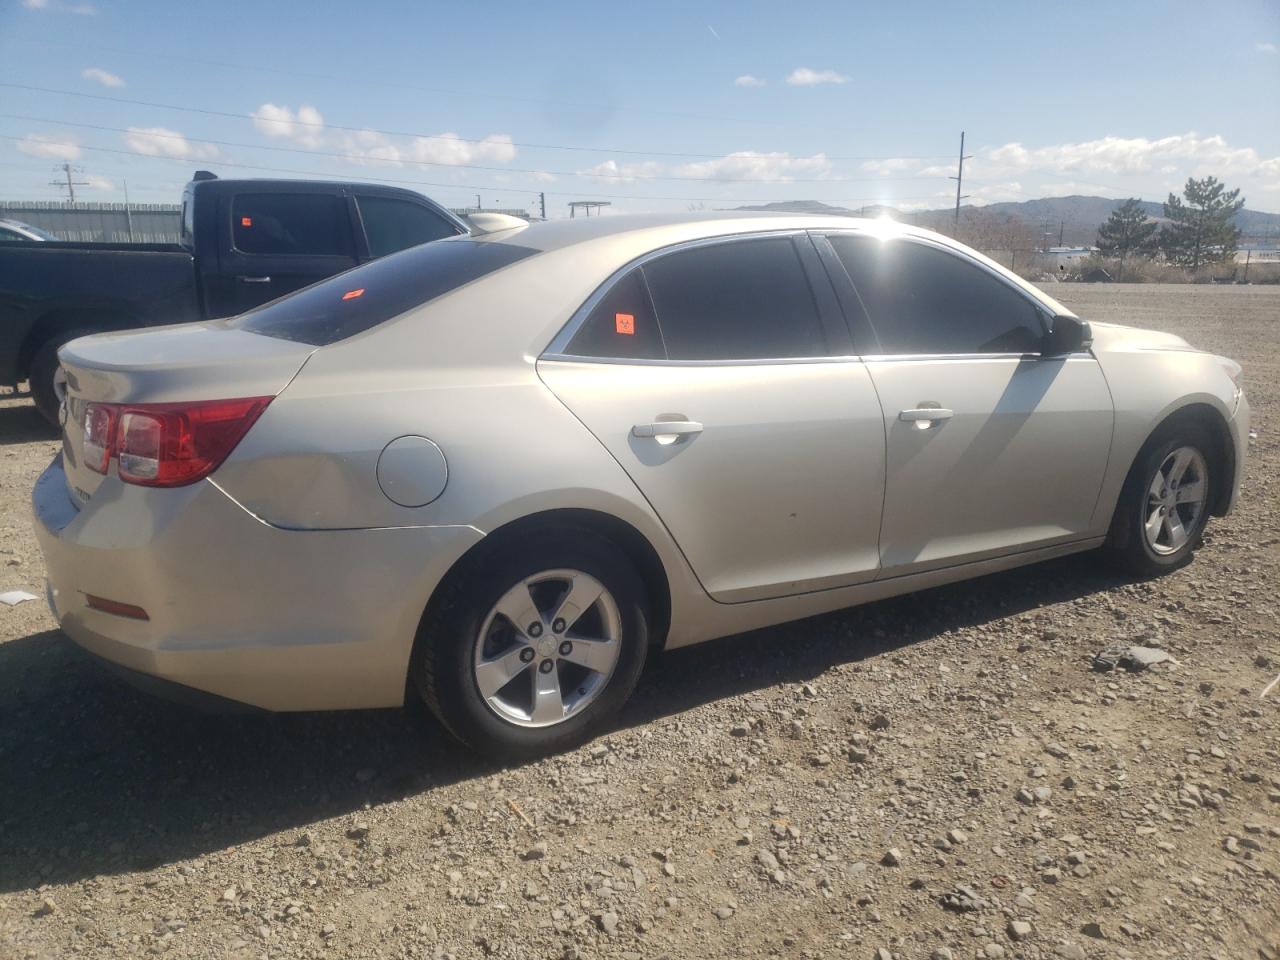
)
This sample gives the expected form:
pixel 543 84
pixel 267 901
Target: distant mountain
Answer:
pixel 1076 218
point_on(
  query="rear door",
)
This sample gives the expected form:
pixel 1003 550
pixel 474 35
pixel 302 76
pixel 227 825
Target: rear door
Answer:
pixel 993 448
pixel 719 376
pixel 279 241
pixel 393 223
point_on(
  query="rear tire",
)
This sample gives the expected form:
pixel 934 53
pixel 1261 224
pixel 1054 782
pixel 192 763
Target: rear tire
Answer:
pixel 42 376
pixel 1164 504
pixel 467 645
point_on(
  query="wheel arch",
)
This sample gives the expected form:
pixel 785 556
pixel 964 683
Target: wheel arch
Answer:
pixel 1222 458
pixel 60 320
pixel 633 544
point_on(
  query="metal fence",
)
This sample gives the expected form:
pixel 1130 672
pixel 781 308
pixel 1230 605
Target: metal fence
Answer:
pixel 121 223
pixel 99 222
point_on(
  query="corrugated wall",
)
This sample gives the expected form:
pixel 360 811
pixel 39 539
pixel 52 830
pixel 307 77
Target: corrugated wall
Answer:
pixel 98 222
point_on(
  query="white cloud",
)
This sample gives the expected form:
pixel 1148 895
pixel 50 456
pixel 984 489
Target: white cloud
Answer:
pixel 98 75
pixel 614 172
pixel 542 176
pixel 452 150
pixel 890 165
pixel 305 127
pixel 806 77
pixel 1266 48
pixel 750 165
pixel 1121 156
pixel 82 9
pixel 95 182
pixel 162 142
pixel 49 147
pixel 747 80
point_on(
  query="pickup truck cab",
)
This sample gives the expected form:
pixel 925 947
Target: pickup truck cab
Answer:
pixel 242 243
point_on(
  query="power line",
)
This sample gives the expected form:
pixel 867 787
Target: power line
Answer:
pixel 402 133
pixel 348 81
pixel 460 166
pixel 450 186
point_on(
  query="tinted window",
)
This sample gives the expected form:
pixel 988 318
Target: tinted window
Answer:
pixel 744 300
pixel 621 325
pixel 393 225
pixel 360 299
pixel 291 223
pixel 921 299
pixel 7 234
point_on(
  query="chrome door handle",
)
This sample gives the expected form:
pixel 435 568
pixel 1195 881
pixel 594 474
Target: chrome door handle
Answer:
pixel 925 417
pixel 254 279
pixel 668 428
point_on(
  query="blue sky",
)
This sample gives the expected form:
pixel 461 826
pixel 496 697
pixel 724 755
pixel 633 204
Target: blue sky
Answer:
pixel 668 105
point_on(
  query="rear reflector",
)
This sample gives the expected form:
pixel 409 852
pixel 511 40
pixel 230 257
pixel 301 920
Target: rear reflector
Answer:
pixel 116 607
pixel 167 444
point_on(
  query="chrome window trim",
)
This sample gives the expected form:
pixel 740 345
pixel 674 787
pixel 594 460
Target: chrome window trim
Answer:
pixel 753 362
pixel 556 349
pixel 899 357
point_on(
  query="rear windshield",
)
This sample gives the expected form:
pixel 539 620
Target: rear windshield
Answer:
pixel 360 299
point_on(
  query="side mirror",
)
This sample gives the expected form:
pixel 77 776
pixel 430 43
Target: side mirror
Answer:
pixel 1066 335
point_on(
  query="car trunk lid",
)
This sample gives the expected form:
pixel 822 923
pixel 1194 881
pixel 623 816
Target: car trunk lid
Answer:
pixel 191 362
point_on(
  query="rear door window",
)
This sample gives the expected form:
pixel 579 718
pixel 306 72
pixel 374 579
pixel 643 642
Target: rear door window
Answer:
pixel 360 299
pixel 741 300
pixel 622 325
pixel 392 225
pixel 924 300
pixel 308 224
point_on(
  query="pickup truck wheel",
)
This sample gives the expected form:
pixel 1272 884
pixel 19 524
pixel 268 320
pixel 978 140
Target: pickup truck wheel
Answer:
pixel 44 377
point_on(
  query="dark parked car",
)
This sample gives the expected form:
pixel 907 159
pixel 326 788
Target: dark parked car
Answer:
pixel 243 242
pixel 19 232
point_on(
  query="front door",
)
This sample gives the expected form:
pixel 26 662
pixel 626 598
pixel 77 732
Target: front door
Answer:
pixel 992 448
pixel 720 387
pixel 281 241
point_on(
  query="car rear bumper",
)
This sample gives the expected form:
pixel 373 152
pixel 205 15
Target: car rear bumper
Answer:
pixel 237 608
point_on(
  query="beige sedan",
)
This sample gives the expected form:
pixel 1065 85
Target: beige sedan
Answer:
pixel 500 470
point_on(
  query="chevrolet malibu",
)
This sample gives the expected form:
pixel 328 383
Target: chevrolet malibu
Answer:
pixel 499 470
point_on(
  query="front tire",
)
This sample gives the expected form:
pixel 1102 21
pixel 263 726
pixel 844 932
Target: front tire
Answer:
pixel 1164 505
pixel 534 649
pixel 44 375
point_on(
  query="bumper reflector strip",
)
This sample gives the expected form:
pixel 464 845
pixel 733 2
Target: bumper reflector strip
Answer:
pixel 116 607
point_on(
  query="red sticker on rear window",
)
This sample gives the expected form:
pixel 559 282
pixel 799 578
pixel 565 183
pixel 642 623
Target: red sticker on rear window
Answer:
pixel 352 294
pixel 246 221
pixel 625 323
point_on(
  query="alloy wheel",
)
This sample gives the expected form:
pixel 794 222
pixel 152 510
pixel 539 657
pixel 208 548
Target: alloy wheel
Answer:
pixel 1176 499
pixel 547 648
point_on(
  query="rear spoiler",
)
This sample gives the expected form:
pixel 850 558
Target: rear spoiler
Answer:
pixel 481 224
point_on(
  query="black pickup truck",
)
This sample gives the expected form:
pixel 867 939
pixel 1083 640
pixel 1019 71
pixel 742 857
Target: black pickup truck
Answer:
pixel 242 243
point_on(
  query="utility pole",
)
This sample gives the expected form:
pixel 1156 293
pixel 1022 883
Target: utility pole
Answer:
pixel 959 177
pixel 477 201
pixel 1062 225
pixel 128 211
pixel 70 184
pixel 542 203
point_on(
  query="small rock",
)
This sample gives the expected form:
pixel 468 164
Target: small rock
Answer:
pixel 1094 930
pixel 942 953
pixel 1019 930
pixel 328 930
pixel 46 907
pixel 881 722
pixel 1071 951
pixel 739 730
pixel 892 857
pixel 957 836
pixel 537 852
pixel 358 830
pixel 608 923
pixel 725 912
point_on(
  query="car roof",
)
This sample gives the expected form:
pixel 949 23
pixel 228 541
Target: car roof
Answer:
pixel 555 234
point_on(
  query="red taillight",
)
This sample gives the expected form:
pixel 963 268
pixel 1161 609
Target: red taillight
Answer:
pixel 167 444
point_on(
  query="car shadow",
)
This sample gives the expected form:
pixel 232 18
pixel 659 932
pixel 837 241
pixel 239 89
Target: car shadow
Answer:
pixel 101 779
pixel 22 423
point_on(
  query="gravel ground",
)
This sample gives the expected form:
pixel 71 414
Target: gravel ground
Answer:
pixel 929 777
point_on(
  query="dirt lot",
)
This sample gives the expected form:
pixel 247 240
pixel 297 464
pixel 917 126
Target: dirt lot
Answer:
pixel 814 790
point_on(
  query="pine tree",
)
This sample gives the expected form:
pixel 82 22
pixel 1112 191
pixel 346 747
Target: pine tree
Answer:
pixel 1200 230
pixel 1127 232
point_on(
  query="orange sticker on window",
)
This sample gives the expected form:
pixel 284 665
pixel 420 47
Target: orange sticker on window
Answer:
pixel 246 221
pixel 352 294
pixel 625 323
